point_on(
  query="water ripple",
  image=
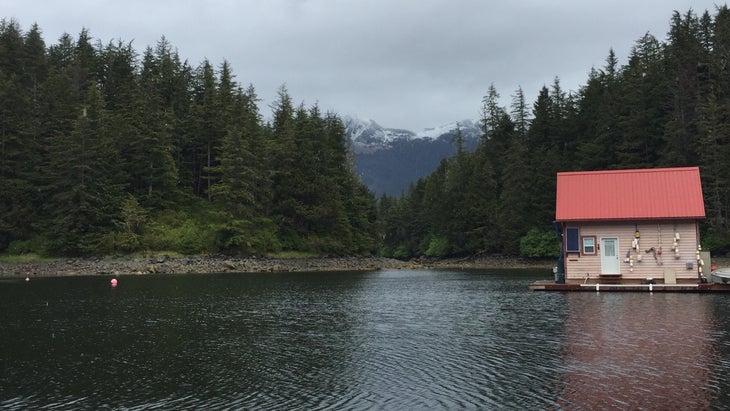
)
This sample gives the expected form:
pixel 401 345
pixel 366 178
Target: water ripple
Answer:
pixel 384 340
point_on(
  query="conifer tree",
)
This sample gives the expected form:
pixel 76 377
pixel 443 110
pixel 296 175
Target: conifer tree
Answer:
pixel 643 116
pixel 238 191
pixel 517 207
pixel 454 202
pixel 283 161
pixel 599 105
pixel 197 153
pixel 496 129
pixel 520 114
pixel 542 159
pixel 153 173
pixel 15 106
pixel 86 69
pixel 684 51
pixel 85 193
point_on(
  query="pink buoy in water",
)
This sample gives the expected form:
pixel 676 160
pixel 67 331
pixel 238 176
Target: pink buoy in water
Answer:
pixel 113 282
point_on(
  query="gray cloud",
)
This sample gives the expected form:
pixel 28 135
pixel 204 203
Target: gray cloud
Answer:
pixel 409 63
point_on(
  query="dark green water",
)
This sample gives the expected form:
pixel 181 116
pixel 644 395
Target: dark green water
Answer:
pixel 380 340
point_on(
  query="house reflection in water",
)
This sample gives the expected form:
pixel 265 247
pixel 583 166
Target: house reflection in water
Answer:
pixel 638 351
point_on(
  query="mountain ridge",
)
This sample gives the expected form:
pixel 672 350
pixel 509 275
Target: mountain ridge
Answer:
pixel 389 160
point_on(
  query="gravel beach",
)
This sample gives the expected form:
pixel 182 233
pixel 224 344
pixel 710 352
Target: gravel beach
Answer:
pixel 220 264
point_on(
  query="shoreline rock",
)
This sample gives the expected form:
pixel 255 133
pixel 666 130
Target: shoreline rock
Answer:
pixel 224 264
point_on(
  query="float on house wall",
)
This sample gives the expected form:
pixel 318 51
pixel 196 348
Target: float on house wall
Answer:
pixel 630 226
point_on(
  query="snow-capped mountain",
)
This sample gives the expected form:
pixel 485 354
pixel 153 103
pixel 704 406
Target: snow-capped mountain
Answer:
pixel 369 136
pixel 388 160
pixel 469 129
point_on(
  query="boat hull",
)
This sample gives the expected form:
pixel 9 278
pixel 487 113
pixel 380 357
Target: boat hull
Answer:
pixel 721 276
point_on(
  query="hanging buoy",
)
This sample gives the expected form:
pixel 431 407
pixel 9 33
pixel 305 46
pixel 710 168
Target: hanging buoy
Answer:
pixel 113 282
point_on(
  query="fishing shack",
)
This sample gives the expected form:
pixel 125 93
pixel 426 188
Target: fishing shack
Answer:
pixel 637 226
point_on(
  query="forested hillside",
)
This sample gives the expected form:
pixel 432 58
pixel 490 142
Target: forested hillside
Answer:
pixel 669 106
pixel 104 150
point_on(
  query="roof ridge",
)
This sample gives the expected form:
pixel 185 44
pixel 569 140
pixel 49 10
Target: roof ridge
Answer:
pixel 632 170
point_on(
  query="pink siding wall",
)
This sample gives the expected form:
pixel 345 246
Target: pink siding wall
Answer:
pixel 653 234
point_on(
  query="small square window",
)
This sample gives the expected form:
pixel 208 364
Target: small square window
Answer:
pixel 589 245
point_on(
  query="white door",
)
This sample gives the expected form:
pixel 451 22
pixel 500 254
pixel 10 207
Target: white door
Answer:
pixel 609 256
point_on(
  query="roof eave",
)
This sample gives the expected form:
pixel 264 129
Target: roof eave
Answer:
pixel 619 219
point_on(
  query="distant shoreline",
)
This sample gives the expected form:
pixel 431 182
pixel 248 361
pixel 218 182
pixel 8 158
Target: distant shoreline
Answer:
pixel 223 264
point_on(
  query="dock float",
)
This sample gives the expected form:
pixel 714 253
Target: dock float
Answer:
pixel 547 285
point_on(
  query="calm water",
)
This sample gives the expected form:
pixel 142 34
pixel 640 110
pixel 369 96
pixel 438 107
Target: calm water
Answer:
pixel 380 340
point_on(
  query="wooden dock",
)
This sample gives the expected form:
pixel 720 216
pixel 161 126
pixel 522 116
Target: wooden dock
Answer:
pixel 548 285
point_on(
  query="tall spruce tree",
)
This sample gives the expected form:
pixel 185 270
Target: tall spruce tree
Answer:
pixel 599 105
pixel 15 137
pixel 239 189
pixel 643 112
pixel 203 135
pixel 684 51
pixel 282 160
pixel 86 194
pixel 153 173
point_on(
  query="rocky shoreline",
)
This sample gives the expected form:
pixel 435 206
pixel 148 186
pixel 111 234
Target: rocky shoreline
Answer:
pixel 225 264
pixel 222 264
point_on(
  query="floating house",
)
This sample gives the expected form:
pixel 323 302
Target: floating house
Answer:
pixel 630 226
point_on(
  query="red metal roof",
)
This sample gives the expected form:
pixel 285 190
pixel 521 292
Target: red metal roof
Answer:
pixel 660 193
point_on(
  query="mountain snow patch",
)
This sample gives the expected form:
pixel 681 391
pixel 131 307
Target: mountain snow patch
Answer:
pixel 369 135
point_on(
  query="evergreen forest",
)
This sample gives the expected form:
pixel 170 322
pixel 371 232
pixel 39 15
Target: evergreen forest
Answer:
pixel 669 106
pixel 105 150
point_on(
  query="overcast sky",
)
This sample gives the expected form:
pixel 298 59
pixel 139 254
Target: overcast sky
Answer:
pixel 408 64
